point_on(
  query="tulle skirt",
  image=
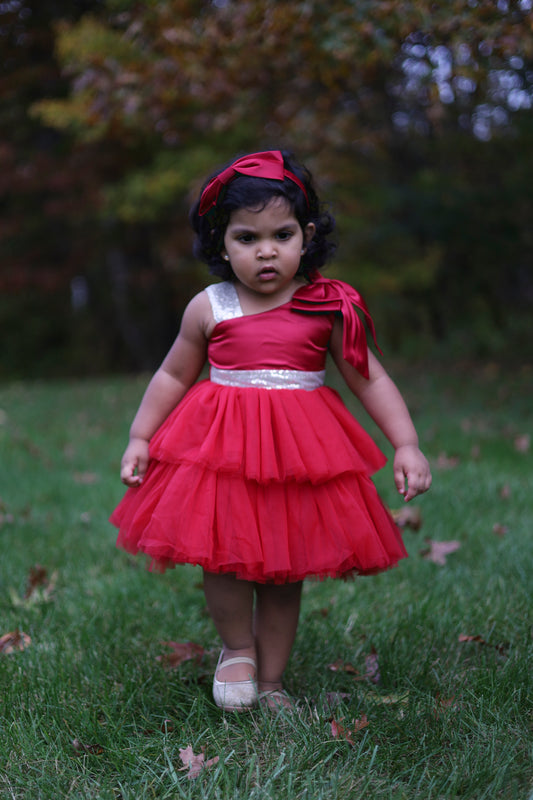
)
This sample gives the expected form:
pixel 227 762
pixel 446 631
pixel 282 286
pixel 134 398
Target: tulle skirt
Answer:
pixel 270 485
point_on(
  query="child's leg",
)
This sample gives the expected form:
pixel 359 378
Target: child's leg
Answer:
pixel 230 604
pixel 276 621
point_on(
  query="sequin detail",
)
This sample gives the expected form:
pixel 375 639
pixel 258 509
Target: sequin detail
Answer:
pixel 268 378
pixel 224 301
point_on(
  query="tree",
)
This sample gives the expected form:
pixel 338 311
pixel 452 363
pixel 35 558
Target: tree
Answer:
pixel 160 92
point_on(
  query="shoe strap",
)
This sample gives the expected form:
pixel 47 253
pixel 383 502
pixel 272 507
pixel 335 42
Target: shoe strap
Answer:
pixel 236 660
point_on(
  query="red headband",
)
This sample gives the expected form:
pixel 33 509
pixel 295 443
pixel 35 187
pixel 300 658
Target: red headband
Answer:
pixel 257 165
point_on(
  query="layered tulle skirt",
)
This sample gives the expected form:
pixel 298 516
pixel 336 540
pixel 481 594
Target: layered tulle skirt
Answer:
pixel 269 485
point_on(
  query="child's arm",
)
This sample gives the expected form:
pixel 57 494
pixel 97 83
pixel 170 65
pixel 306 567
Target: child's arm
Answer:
pixel 175 376
pixel 383 401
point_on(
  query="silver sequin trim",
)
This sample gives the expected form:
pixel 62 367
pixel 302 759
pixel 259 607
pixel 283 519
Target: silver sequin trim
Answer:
pixel 224 301
pixel 269 378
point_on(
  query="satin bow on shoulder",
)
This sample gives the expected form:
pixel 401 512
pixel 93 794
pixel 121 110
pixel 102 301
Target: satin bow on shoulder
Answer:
pixel 325 295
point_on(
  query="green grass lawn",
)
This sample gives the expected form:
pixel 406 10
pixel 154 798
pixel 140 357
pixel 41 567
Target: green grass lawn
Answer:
pixel 88 710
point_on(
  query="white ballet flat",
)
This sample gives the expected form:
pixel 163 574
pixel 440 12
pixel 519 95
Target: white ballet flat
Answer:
pixel 235 695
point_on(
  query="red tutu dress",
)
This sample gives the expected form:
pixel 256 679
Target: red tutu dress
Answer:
pixel 261 471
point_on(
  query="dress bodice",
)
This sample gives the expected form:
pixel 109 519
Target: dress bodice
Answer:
pixel 281 338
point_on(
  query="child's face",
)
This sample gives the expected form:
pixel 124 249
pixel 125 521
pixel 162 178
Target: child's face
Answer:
pixel 265 247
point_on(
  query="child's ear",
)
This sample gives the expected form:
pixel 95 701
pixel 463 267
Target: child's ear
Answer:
pixel 309 232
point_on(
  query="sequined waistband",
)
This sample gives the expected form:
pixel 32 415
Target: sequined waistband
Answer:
pixel 268 378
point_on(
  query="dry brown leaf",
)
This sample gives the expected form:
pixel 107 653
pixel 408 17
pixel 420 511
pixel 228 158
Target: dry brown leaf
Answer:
pixel 181 651
pixel 195 763
pixel 86 478
pixel 372 667
pixel 13 641
pixel 500 530
pixel 505 492
pixel 477 639
pixel 341 666
pixel 339 731
pixel 444 704
pixel 445 461
pixel 333 699
pixel 39 588
pixel 5 516
pixel 388 699
pixel 437 551
pixel 86 749
pixel 522 443
pixel 408 517
pixel 38 579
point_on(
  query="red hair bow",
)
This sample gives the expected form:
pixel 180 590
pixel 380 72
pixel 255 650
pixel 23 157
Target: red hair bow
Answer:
pixel 257 165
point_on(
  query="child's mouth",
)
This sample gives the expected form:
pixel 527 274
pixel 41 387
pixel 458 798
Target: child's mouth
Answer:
pixel 267 273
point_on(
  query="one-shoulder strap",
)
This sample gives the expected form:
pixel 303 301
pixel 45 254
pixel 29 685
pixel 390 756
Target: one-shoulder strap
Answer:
pixel 224 301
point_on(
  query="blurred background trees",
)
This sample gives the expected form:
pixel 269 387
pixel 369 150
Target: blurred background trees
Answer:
pixel 416 119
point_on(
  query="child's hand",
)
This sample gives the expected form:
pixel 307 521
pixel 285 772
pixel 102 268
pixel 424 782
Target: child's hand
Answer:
pixel 134 462
pixel 412 475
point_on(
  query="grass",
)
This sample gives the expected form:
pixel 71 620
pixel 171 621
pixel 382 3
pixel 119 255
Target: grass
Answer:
pixel 87 710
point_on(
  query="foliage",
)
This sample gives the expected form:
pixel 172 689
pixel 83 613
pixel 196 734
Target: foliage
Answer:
pixel 398 107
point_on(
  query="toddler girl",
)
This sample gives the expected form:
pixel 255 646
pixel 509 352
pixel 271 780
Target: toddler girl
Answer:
pixel 260 474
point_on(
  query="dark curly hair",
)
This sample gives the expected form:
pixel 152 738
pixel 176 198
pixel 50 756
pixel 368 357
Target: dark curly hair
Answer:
pixel 254 193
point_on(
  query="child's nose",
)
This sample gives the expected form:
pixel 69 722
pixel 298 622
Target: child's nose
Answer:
pixel 266 249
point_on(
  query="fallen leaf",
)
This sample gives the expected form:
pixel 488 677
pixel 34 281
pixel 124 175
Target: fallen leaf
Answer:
pixel 388 699
pixel 86 478
pixel 505 492
pixel 371 664
pixel 447 462
pixel 181 651
pixel 14 640
pixel 86 749
pixel 500 530
pixel 408 517
pixel 339 731
pixel 38 579
pixel 477 639
pixel 195 763
pixel 522 443
pixel 39 588
pixel 475 451
pixel 341 666
pixel 444 705
pixel 372 667
pixel 437 551
pixel 334 699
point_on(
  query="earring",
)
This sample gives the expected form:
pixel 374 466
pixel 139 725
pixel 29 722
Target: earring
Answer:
pixel 225 257
pixel 302 251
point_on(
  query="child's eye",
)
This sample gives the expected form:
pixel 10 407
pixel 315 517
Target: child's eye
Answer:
pixel 246 238
pixel 284 235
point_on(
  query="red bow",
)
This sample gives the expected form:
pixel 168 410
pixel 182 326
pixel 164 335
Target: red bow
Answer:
pixel 258 165
pixel 332 295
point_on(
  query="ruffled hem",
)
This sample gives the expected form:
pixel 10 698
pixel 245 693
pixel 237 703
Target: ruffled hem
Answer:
pixel 273 533
pixel 266 436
